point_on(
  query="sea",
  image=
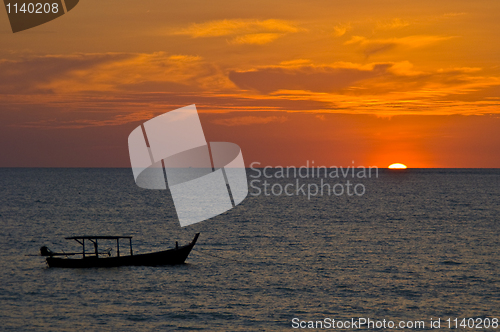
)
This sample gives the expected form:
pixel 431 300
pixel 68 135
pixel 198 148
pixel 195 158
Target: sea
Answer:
pixel 412 246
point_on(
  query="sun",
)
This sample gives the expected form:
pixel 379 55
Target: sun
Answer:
pixel 397 166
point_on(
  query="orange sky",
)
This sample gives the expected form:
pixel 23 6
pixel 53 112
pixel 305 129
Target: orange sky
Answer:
pixel 376 82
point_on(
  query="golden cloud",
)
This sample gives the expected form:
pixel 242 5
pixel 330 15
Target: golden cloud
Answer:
pixel 372 46
pixel 117 120
pixel 124 83
pixel 326 78
pixel 341 29
pixel 256 38
pixel 381 88
pixel 392 24
pixel 249 120
pixel 242 31
pixel 140 72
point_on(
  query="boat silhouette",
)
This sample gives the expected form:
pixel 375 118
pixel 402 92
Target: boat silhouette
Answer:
pixel 98 258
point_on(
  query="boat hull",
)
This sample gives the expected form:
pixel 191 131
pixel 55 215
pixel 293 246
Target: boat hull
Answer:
pixel 167 257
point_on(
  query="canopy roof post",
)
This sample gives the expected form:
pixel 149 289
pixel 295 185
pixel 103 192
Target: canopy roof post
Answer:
pixel 131 253
pixel 95 247
pixel 118 247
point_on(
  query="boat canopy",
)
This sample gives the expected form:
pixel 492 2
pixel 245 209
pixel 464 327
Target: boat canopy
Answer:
pixel 94 238
pixel 98 237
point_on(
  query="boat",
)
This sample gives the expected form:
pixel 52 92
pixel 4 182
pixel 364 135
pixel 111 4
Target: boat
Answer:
pixel 98 258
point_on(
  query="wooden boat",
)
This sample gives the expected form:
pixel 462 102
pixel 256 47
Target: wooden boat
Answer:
pixel 96 258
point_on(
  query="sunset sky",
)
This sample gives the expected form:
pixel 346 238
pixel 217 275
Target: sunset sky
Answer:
pixel 374 82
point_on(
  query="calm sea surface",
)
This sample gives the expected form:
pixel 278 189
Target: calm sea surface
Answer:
pixel 417 245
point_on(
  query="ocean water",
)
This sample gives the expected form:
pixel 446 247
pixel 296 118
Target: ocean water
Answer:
pixel 418 244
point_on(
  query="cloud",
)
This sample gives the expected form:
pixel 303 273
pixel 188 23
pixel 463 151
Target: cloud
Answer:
pixel 373 46
pixel 341 29
pixel 380 88
pixel 256 38
pixel 308 77
pixel 454 14
pixel 249 120
pixel 27 75
pixel 392 24
pixel 296 63
pixel 403 78
pixel 152 72
pixel 234 27
pixel 86 90
pixel 242 31
pixel 117 120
